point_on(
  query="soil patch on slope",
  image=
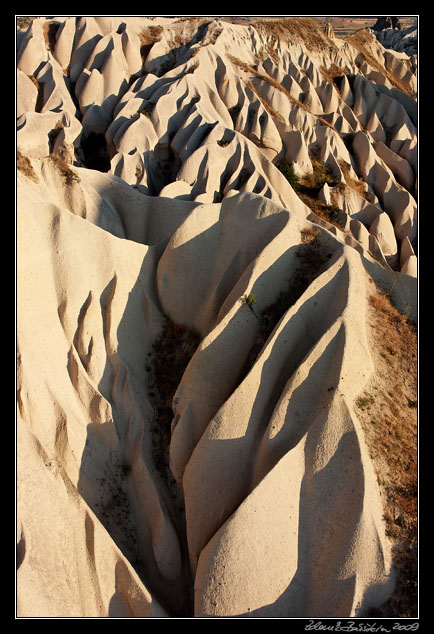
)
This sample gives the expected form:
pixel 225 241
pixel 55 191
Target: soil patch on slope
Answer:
pixel 388 413
pixel 170 355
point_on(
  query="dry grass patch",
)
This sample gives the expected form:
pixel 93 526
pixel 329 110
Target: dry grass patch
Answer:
pixel 139 171
pixel 304 30
pixel 147 38
pixel 192 18
pixel 179 41
pixel 359 185
pixel 62 166
pixel 25 166
pixel 23 21
pixel 50 31
pixel 308 188
pixel 331 72
pixel 388 413
pixel 268 107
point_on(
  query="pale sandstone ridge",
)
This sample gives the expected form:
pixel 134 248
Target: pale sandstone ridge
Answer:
pixel 148 189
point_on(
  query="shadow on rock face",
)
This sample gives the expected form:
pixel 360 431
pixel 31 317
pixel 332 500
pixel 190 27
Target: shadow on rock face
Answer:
pixel 95 152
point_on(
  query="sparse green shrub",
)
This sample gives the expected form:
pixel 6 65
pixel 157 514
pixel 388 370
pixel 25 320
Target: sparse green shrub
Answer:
pixel 365 402
pixel 250 300
pixel 335 215
pixel 288 171
pixel 322 174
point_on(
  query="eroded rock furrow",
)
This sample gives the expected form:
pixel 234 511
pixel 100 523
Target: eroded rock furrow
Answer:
pixel 203 210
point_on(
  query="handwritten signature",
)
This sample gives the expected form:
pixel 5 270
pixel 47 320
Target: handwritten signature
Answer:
pixel 352 626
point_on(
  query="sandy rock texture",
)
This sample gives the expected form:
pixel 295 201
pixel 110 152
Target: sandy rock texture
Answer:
pixel 160 241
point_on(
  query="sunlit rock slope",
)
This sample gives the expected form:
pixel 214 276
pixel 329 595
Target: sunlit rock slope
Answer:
pixel 203 209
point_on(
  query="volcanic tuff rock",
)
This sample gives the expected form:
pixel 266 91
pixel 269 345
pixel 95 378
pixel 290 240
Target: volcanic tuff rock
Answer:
pixel 205 205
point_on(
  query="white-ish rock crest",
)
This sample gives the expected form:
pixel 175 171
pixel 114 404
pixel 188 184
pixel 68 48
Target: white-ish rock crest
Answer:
pixel 149 188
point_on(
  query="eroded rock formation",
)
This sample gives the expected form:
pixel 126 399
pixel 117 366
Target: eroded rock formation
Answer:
pixel 150 204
